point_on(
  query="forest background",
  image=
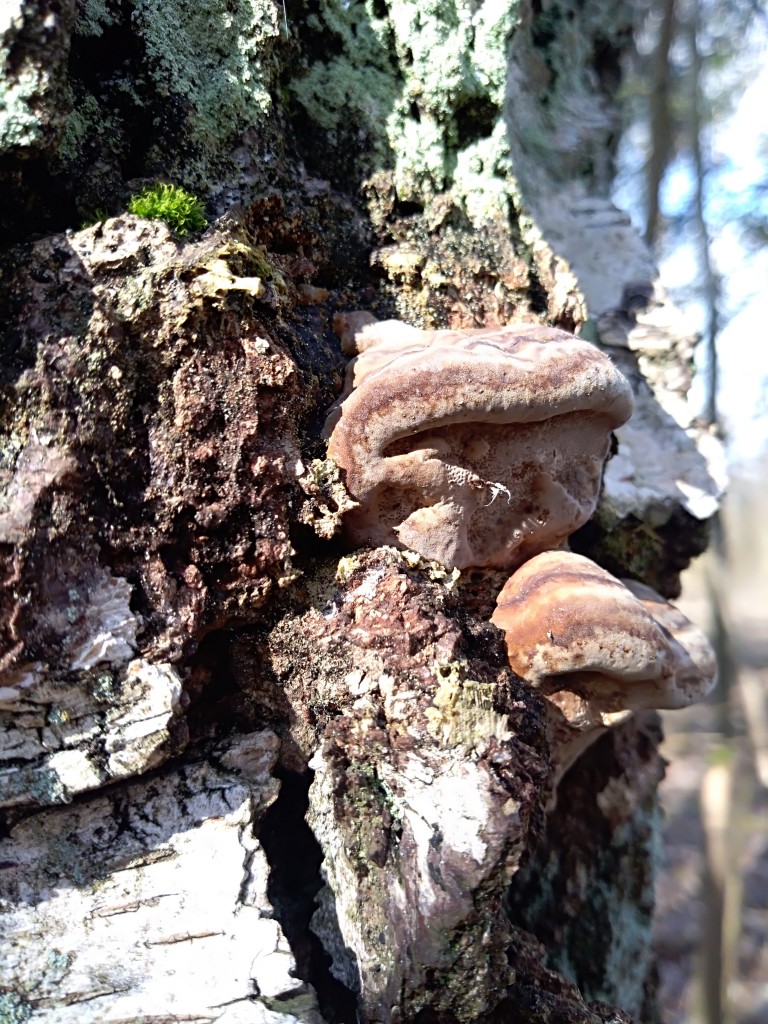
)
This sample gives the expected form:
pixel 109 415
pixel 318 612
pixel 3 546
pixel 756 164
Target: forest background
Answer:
pixel 693 172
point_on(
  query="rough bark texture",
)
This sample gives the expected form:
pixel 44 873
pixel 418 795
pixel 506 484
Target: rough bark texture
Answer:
pixel 183 635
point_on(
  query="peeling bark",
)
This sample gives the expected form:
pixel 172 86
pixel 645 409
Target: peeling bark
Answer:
pixel 151 904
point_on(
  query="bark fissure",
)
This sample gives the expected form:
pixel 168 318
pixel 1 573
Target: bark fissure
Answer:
pixel 294 857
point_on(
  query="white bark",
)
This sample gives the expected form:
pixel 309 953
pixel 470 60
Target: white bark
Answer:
pixel 63 736
pixel 149 903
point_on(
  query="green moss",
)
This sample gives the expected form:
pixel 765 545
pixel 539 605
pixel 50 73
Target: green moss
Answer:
pixel 96 217
pixel 180 210
pixel 34 50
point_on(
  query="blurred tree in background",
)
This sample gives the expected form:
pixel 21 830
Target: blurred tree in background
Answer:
pixel 694 173
pixel 694 177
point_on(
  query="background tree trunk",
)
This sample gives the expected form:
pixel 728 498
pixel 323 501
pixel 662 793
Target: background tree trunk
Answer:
pixel 248 775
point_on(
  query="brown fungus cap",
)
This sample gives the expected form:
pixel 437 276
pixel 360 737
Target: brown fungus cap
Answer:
pixel 474 448
pixel 597 647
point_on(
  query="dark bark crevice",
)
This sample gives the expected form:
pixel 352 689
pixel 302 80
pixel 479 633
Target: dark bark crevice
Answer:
pixel 294 857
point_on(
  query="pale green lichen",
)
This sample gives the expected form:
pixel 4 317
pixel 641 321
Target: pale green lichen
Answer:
pixel 211 56
pixel 135 295
pixel 629 921
pixel 14 1009
pixel 421 159
pixel 102 687
pixel 605 948
pixel 454 51
pixel 36 784
pixel 382 793
pixel 201 75
pixel 435 571
pixel 64 857
pixel 236 266
pixel 93 16
pixel 34 47
pixel 85 117
pixel 483 177
pixel 44 786
pixel 20 124
pixel 412 81
pixel 57 716
pixel 358 85
pixel 58 964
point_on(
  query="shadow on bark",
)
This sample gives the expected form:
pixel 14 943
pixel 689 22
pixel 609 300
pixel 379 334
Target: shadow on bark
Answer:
pixel 294 856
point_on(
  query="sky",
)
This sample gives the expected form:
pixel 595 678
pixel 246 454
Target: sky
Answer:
pixel 738 154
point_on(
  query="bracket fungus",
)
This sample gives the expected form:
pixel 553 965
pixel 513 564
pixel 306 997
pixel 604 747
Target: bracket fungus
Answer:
pixel 474 448
pixel 598 648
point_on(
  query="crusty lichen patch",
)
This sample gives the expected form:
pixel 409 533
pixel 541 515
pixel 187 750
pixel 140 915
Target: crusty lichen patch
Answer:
pixel 14 1009
pixel 605 945
pixel 214 56
pixel 179 85
pixel 426 85
pixel 327 497
pixel 426 115
pixel 33 56
pixel 463 712
pixel 416 731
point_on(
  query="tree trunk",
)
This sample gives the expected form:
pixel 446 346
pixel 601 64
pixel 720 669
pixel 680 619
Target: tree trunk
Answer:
pixel 247 773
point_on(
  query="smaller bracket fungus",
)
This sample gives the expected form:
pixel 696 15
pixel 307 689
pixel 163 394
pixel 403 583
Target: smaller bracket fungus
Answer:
pixel 473 448
pixel 598 648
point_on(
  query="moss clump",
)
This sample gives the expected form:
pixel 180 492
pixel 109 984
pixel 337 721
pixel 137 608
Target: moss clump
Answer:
pixel 98 216
pixel 180 210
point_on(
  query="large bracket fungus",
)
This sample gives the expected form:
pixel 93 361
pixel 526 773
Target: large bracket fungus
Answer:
pixel 480 449
pixel 474 448
pixel 598 648
pixel 485 448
